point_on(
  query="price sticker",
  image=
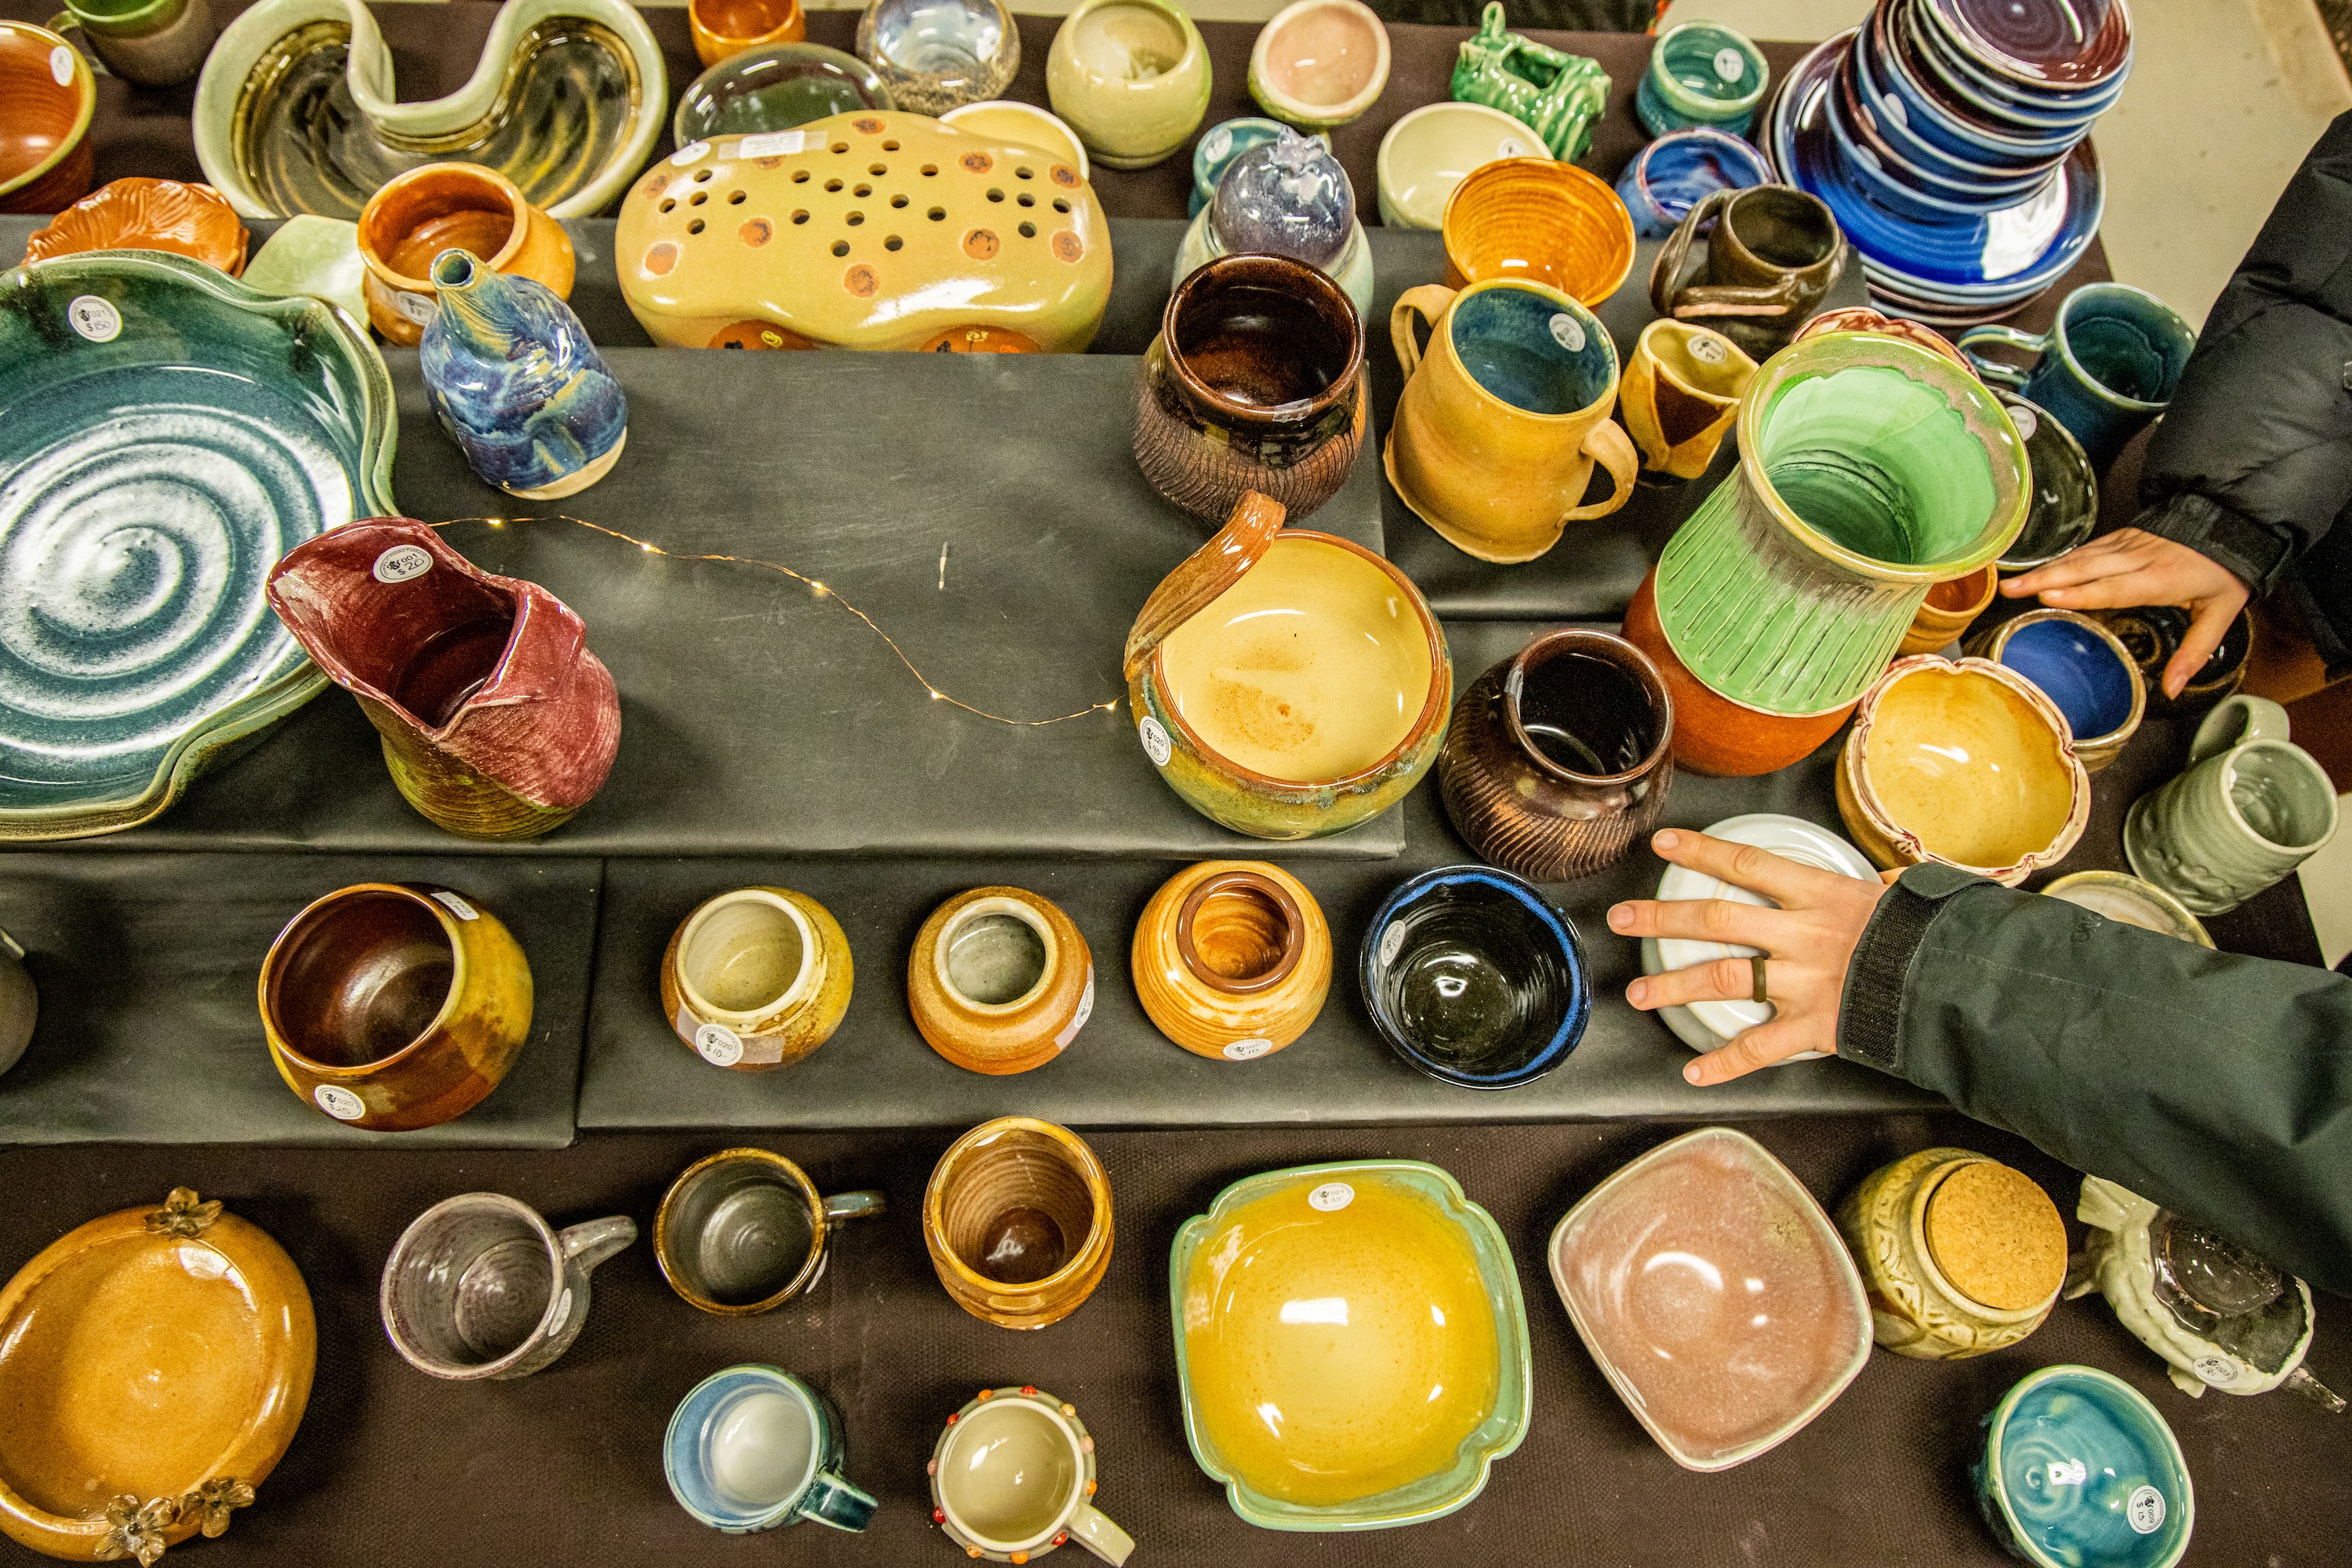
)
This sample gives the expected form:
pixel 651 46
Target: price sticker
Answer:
pixel 1247 1051
pixel 95 319
pixel 1707 349
pixel 1567 333
pixel 339 1103
pixel 403 562
pixel 720 1046
pixel 2145 1512
pixel 455 905
pixel 1730 64
pixel 1155 744
pixel 1331 1197
pixel 1078 1019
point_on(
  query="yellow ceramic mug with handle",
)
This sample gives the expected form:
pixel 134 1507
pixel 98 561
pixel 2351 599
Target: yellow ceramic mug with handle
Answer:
pixel 1682 394
pixel 1504 415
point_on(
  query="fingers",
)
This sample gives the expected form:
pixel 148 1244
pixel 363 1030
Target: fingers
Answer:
pixel 2121 590
pixel 2211 624
pixel 1723 980
pixel 1704 920
pixel 2103 557
pixel 1758 1047
pixel 1743 866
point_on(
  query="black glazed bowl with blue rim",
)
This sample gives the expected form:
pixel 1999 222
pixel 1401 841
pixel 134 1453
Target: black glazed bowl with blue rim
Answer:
pixel 1472 976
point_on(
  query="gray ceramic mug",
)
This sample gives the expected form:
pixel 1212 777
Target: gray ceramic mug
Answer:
pixel 2252 807
pixel 478 1286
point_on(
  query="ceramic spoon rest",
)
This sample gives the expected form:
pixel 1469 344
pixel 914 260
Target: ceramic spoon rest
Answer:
pixel 868 230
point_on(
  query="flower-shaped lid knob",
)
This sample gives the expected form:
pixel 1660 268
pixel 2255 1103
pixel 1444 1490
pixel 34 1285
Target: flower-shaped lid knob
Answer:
pixel 1286 197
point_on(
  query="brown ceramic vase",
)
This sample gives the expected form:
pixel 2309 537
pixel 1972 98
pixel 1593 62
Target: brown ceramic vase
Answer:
pixel 414 216
pixel 47 97
pixel 999 981
pixel 1772 255
pixel 1713 735
pixel 188 220
pixel 1017 1219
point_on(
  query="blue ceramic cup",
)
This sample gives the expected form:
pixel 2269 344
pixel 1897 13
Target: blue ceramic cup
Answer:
pixel 2077 1469
pixel 2107 366
pixel 1701 73
pixel 1674 173
pixel 752 1448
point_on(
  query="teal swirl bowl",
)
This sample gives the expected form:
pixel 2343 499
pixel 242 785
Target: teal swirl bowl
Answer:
pixel 166 433
pixel 2080 1472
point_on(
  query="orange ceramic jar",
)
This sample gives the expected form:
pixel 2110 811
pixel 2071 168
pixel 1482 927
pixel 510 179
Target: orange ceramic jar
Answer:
pixel 1232 959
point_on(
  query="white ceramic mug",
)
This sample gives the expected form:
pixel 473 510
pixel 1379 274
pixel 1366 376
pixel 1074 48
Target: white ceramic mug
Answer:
pixel 2252 807
pixel 1014 1477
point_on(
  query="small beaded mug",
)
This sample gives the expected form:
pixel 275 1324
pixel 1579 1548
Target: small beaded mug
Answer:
pixel 1014 1477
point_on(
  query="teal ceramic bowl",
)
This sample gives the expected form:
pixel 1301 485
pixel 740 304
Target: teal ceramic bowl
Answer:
pixel 2080 1472
pixel 1350 1345
pixel 166 433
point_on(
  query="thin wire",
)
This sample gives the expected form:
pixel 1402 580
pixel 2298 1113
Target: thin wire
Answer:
pixel 821 591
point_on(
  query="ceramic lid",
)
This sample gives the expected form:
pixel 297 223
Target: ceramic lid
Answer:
pixel 1285 198
pixel 1201 577
pixel 1996 1236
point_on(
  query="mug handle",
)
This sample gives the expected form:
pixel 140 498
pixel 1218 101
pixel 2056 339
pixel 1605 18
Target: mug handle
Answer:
pixel 591 1243
pixel 64 20
pixel 1092 1528
pixel 1429 302
pixel 2235 721
pixel 1668 267
pixel 854 1205
pixel 831 1499
pixel 1614 449
pixel 2008 337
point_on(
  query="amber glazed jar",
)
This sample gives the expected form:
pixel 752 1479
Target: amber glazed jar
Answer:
pixel 1231 959
pixel 1017 1220
pixel 1000 980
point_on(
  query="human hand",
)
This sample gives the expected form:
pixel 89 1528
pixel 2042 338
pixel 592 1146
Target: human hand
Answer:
pixel 1809 942
pixel 2128 567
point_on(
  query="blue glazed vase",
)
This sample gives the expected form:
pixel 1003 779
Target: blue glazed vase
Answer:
pixel 513 378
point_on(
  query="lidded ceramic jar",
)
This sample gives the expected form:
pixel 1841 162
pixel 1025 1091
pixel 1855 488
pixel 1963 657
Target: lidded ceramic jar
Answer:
pixel 1017 1219
pixel 1231 959
pixel 1959 1254
pixel 756 978
pixel 1286 197
pixel 999 981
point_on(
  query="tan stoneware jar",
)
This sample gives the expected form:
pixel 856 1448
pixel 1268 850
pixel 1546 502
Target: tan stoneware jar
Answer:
pixel 1959 1254
pixel 756 978
pixel 1017 1219
pixel 1000 980
pixel 414 216
pixel 1231 959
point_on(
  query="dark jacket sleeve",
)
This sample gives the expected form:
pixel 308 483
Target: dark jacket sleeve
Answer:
pixel 2214 1084
pixel 2254 460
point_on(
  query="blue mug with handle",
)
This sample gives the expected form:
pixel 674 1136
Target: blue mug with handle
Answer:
pixel 752 1448
pixel 2109 364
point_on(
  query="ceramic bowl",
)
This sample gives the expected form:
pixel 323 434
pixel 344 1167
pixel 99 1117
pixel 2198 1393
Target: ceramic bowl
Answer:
pixel 1675 172
pixel 152 1354
pixel 2065 504
pixel 1967 763
pixel 413 218
pixel 1710 1025
pixel 2151 634
pixel 2078 1467
pixel 937 55
pixel 1701 73
pixel 204 389
pixel 1318 63
pixel 1948 610
pixel 999 981
pixel 1131 77
pixel 47 97
pixel 1377 1308
pixel 777 86
pixel 193 221
pixel 1644 1262
pixel 724 28
pixel 1217 149
pixel 2122 897
pixel 1714 734
pixel 1017 1219
pixel 1532 217
pixel 1433 148
pixel 1231 959
pixel 757 978
pixel 1023 124
pixel 311 255
pixel 2080 665
pixel 1472 976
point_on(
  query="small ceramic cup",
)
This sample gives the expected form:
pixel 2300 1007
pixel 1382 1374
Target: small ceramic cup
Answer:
pixel 1681 395
pixel 1231 959
pixel 1772 255
pixel 757 978
pixel 1959 1254
pixel 1518 379
pixel 1012 1478
pixel 999 981
pixel 479 1286
pixel 725 27
pixel 752 1448
pixel 1320 64
pixel 2079 1467
pixel 1674 173
pixel 2120 897
pixel 2065 504
pixel 1950 607
pixel 20 1003
pixel 2107 365
pixel 394 1006
pixel 2252 807
pixel 1017 1219
pixel 48 160
pixel 1131 77
pixel 2080 666
pixel 1701 73
pixel 155 43
pixel 1533 219
pixel 1472 976
pixel 743 1231
pixel 414 216
pixel 937 55
pixel 1433 148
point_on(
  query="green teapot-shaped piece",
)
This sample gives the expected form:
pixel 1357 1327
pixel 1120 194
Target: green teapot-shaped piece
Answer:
pixel 1558 96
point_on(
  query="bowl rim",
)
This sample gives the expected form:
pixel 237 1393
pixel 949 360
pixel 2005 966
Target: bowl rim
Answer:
pixel 806 979
pixel 84 83
pixel 1728 37
pixel 413 894
pixel 759 1375
pixel 665 1221
pixel 2042 614
pixel 1574 179
pixel 2192 927
pixel 1628 660
pixel 1347 109
pixel 1996 1423
pixel 1386 188
pixel 1242 267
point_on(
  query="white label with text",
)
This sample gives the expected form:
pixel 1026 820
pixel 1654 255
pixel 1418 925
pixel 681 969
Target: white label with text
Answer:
pixel 1331 1197
pixel 339 1103
pixel 455 905
pixel 720 1046
pixel 1155 744
pixel 2145 1512
pixel 1730 65
pixel 1078 1019
pixel 1248 1050
pixel 1567 333
pixel 95 319
pixel 1392 943
pixel 402 561
pixel 774 145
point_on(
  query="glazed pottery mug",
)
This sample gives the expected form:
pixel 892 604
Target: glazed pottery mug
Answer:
pixel 2107 366
pixel 479 1286
pixel 1013 1477
pixel 1017 1219
pixel 1681 393
pixel 1772 255
pixel 155 43
pixel 756 978
pixel 2252 807
pixel 743 1231
pixel 752 1448
pixel 1519 379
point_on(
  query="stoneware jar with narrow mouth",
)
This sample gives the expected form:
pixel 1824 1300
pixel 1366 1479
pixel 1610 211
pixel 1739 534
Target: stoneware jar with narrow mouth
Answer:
pixel 1130 77
pixel 743 1231
pixel 413 218
pixel 756 978
pixel 1231 959
pixel 1772 255
pixel 480 1287
pixel 1017 1220
pixel 1959 1254
pixel 1000 980
pixel 1013 1477
pixel 2080 666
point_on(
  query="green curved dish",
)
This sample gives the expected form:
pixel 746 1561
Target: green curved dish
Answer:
pixel 166 433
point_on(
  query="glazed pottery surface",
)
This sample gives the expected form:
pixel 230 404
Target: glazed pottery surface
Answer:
pixel 394 1006
pixel 756 978
pixel 315 256
pixel 999 981
pixel 47 97
pixel 147 214
pixel 937 55
pixel 1959 1254
pixel 776 87
pixel 1772 255
pixel 1020 125
pixel 1862 319
pixel 743 1231
pixel 1013 1477
pixel 724 28
pixel 479 1286
pixel 155 43
pixel 1285 198
pixel 1674 173
pixel 1644 1264
pixel 2079 1467
pixel 296 110
pixel 20 1003
pixel 1557 761
pixel 512 376
pixel 1256 383
pixel 1518 378
pixel 2125 898
pixel 1681 395
pixel 413 218
pixel 1377 1310
pixel 497 720
pixel 2065 506
pixel 1131 77
pixel 2080 665
pixel 1435 148
pixel 2252 807
pixel 1288 684
pixel 1533 220
pixel 2152 634
pixel 1017 1220
pixel 1231 959
pixel 752 1448
pixel 1969 763
pixel 2106 367
pixel 1701 73
pixel 1217 149
pixel 1350 268
pixel 1947 611
pixel 1319 63
pixel 166 433
pixel 1560 95
pixel 1474 977
pixel 875 230
pixel 1714 734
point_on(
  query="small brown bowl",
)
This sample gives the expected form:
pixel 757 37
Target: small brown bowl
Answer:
pixel 195 221
pixel 47 97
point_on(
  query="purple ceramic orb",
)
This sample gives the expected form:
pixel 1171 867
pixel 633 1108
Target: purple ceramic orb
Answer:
pixel 1288 198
